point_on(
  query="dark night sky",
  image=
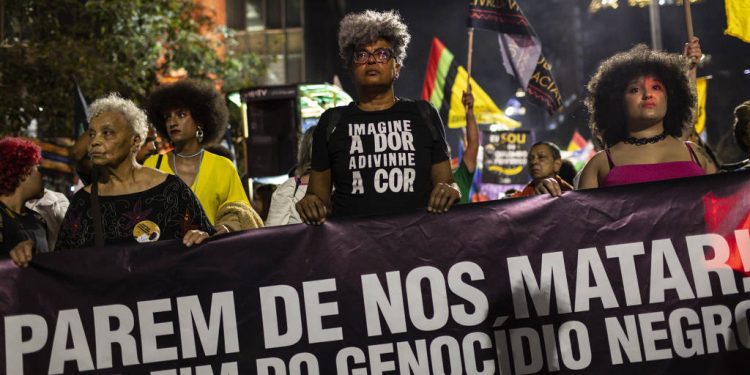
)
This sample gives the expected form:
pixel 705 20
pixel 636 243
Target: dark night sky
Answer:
pixel 574 41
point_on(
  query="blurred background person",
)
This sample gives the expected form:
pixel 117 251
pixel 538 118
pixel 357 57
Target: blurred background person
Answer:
pixel 22 231
pixel 741 129
pixel 544 161
pixel 262 196
pixel 373 46
pixel 641 101
pixel 568 172
pixel 192 114
pixel 52 206
pixel 282 210
pixel 131 203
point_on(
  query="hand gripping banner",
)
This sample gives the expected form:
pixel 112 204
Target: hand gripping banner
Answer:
pixel 647 278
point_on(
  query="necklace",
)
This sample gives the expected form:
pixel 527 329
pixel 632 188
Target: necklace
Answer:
pixel 188 156
pixel 200 161
pixel 644 141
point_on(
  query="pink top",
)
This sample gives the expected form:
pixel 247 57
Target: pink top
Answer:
pixel 636 173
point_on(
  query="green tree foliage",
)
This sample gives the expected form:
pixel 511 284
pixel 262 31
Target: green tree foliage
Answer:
pixel 107 45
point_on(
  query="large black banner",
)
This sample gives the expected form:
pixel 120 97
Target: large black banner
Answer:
pixel 634 279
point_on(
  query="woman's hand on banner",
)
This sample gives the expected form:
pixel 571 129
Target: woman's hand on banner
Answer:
pixel 312 210
pixel 548 186
pixel 443 196
pixel 22 253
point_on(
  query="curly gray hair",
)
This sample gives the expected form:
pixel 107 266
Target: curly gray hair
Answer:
pixel 113 103
pixel 357 29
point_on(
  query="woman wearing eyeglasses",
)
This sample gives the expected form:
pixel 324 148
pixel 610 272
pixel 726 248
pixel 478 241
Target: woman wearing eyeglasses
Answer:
pixel 380 154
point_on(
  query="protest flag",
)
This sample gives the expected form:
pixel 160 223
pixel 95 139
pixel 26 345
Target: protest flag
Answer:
pixel 738 19
pixel 701 85
pixel 577 142
pixel 80 111
pixel 520 47
pixel 444 85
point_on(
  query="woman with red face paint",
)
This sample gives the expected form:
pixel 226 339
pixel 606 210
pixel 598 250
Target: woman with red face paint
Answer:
pixel 642 102
pixel 381 154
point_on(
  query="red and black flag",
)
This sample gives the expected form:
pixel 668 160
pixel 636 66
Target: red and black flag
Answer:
pixel 520 47
pixel 439 78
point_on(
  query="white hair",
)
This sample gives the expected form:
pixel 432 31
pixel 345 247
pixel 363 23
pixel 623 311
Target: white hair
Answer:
pixel 113 103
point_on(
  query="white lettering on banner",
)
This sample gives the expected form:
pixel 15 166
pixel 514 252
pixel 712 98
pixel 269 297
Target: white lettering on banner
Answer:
pixel 70 346
pixel 105 337
pixel 229 368
pixel 460 355
pixel 390 305
pixel 686 331
pixel 150 330
pixel 69 326
pixel 552 275
pixel 276 366
pixel 522 279
pixel 222 315
pixel 314 313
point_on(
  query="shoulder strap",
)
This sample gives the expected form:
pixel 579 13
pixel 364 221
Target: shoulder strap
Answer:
pixel 692 154
pixel 425 111
pixel 333 121
pixel 609 159
pixel 96 210
pixel 158 161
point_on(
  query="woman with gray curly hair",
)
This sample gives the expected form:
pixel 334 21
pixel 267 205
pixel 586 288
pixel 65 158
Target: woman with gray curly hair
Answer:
pixel 382 153
pixel 128 203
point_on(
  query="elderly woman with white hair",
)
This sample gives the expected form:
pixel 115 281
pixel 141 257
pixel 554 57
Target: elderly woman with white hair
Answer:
pixel 128 203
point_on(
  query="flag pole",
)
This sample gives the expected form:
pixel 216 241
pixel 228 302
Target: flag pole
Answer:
pixel 688 19
pixel 468 59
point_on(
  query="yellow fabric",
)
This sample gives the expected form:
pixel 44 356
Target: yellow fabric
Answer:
pixel 738 19
pixel 217 182
pixel 700 118
pixel 485 110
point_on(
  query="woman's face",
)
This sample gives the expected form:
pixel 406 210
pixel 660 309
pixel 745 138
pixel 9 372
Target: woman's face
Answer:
pixel 542 163
pixel 180 125
pixel 377 66
pixel 645 101
pixel 112 140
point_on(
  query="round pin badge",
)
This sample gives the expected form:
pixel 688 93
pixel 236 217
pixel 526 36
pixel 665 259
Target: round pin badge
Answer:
pixel 146 231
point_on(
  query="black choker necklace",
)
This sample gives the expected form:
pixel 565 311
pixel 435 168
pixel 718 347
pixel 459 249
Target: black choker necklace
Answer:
pixel 645 141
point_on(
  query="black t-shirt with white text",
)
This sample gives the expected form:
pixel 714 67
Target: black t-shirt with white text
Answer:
pixel 380 161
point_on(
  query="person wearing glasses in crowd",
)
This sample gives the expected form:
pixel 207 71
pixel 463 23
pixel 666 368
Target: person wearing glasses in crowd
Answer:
pixel 192 115
pixel 380 154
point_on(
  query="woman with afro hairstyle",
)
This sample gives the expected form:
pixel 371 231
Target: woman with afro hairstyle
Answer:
pixel 641 102
pixel 382 153
pixel 192 114
pixel 22 231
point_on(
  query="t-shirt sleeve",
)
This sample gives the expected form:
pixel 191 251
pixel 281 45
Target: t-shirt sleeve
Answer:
pixel 235 190
pixel 439 145
pixel 320 159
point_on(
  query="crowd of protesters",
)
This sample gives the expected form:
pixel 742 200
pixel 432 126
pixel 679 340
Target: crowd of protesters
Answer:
pixel 381 154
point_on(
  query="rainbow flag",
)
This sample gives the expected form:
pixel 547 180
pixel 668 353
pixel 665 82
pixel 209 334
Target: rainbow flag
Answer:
pixel 444 85
pixel 577 142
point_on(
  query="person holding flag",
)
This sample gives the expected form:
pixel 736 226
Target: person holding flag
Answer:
pixel 382 153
